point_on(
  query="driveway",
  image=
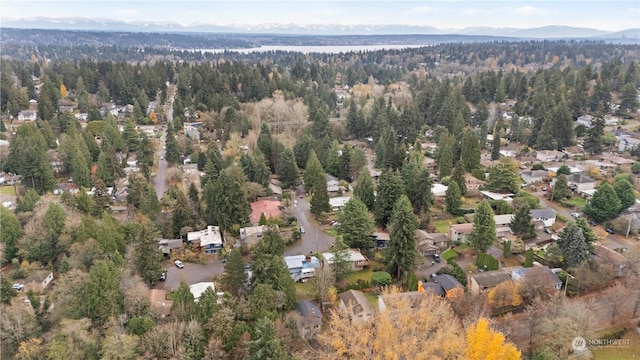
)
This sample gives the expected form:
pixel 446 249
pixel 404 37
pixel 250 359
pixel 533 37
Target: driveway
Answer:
pixel 191 273
pixel 314 239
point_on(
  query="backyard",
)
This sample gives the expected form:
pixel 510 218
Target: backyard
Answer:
pixel 7 190
pixel 626 350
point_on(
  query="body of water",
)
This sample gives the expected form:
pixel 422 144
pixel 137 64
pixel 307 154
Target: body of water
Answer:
pixel 327 49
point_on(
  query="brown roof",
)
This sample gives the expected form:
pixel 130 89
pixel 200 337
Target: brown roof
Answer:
pixel 158 299
pixel 270 208
pixel 356 301
pixel 37 276
pixel 433 237
pixel 609 255
pixel 489 279
pixel 462 228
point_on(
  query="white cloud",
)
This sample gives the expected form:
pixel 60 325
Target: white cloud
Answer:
pixel 531 10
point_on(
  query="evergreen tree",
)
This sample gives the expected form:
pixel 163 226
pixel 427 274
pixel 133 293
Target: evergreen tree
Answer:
pixel 265 344
pixel 484 227
pixel 402 254
pixel 173 155
pixel 563 125
pixel 445 155
pixel 147 256
pixel 458 177
pixel 302 149
pixel 364 188
pixel 320 199
pixel 356 225
pixel 182 216
pixel 390 188
pixel 521 223
pixel 313 172
pixel 234 278
pixel 270 269
pixel 340 264
pixel 10 234
pixel 102 297
pixel 130 135
pixel 355 122
pixel 271 243
pixel 604 204
pixel 528 260
pixel 625 192
pixel 453 199
pixel 495 146
pixel 561 189
pixel 111 136
pixel 226 199
pixel 504 177
pixel 469 150
pixel 593 141
pixel 28 157
pixel 587 232
pixel 573 246
pixel 344 168
pixel 288 170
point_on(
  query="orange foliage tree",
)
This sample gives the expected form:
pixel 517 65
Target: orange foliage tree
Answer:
pixel 484 343
pixel 63 90
pixel 505 295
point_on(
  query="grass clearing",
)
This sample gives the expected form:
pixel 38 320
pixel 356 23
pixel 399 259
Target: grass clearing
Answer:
pixel 449 254
pixel 364 275
pixel 632 351
pixel 7 190
pixel 442 226
pixel 305 291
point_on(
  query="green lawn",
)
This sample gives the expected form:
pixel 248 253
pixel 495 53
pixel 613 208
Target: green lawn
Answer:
pixel 576 201
pixel 632 351
pixel 305 291
pixel 442 226
pixel 449 254
pixel 372 298
pixel 364 275
pixel 7 190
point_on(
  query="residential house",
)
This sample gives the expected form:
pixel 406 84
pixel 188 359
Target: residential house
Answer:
pixel 473 183
pixel 357 304
pixel 549 155
pixel 192 129
pixel 159 302
pixel 572 169
pixel 311 317
pixel 431 243
pixel 209 239
pixel 333 186
pixel 580 182
pixel 482 281
pixel 337 203
pixel 198 289
pixel 497 196
pixel 65 108
pixel 546 216
pixel 270 208
pixel 431 288
pixel 27 115
pixel 459 232
pixel 439 190
pixel 553 280
pixel 302 267
pixel 38 281
pixel 275 189
pixel 381 238
pixel 82 116
pixel 617 160
pixel 429 163
pixel 355 259
pixel 627 143
pixel 507 153
pixel 533 176
pixel 585 120
pixel 611 120
pixel 169 245
pixel 453 288
pixel 251 235
pixel 616 260
pixel 503 224
pixel 412 298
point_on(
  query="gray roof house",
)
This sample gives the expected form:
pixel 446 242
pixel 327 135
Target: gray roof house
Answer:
pixel 580 182
pixel 311 315
pixel 547 216
pixel 357 303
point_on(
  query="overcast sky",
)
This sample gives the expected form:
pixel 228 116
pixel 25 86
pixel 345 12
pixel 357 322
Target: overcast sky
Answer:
pixel 611 15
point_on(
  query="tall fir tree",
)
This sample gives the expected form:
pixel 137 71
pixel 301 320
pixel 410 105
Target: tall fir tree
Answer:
pixel 593 141
pixel 445 155
pixel 469 150
pixel 226 199
pixel 484 227
pixel 521 224
pixel 452 198
pixel 402 253
pixel 458 177
pixel 560 189
pixel 265 343
pixel 604 204
pixel 320 199
pixel 495 146
pixel 288 170
pixel 390 188
pixel 313 172
pixel 573 246
pixel 356 225
pixel 364 189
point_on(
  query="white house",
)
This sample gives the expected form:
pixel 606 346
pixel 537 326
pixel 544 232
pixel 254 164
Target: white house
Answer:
pixel 580 182
pixel 252 234
pixel 439 190
pixel 356 259
pixel 209 239
pixel 339 202
pixel 27 115
pixel 302 267
pixel 548 155
pixel 459 232
pixel 546 216
pixel 198 289
pixel 533 176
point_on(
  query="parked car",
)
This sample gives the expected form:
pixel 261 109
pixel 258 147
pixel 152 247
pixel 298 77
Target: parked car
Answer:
pixel 301 230
pixel 610 230
pixel 592 223
pixel 246 266
pixel 547 230
pixel 163 276
pixel 575 215
pixel 18 287
pixel 436 258
pixel 179 264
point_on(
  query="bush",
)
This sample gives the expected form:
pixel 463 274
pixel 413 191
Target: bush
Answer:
pixel 381 278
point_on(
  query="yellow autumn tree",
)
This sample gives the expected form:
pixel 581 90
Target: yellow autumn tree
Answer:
pixel 505 295
pixel 484 343
pixel 63 91
pixel 153 117
pixel 412 326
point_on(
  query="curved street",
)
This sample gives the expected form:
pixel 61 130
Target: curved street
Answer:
pixel 314 238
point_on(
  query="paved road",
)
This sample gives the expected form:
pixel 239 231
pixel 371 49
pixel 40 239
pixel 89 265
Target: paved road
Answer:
pixel 314 239
pixel 160 180
pixel 191 273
